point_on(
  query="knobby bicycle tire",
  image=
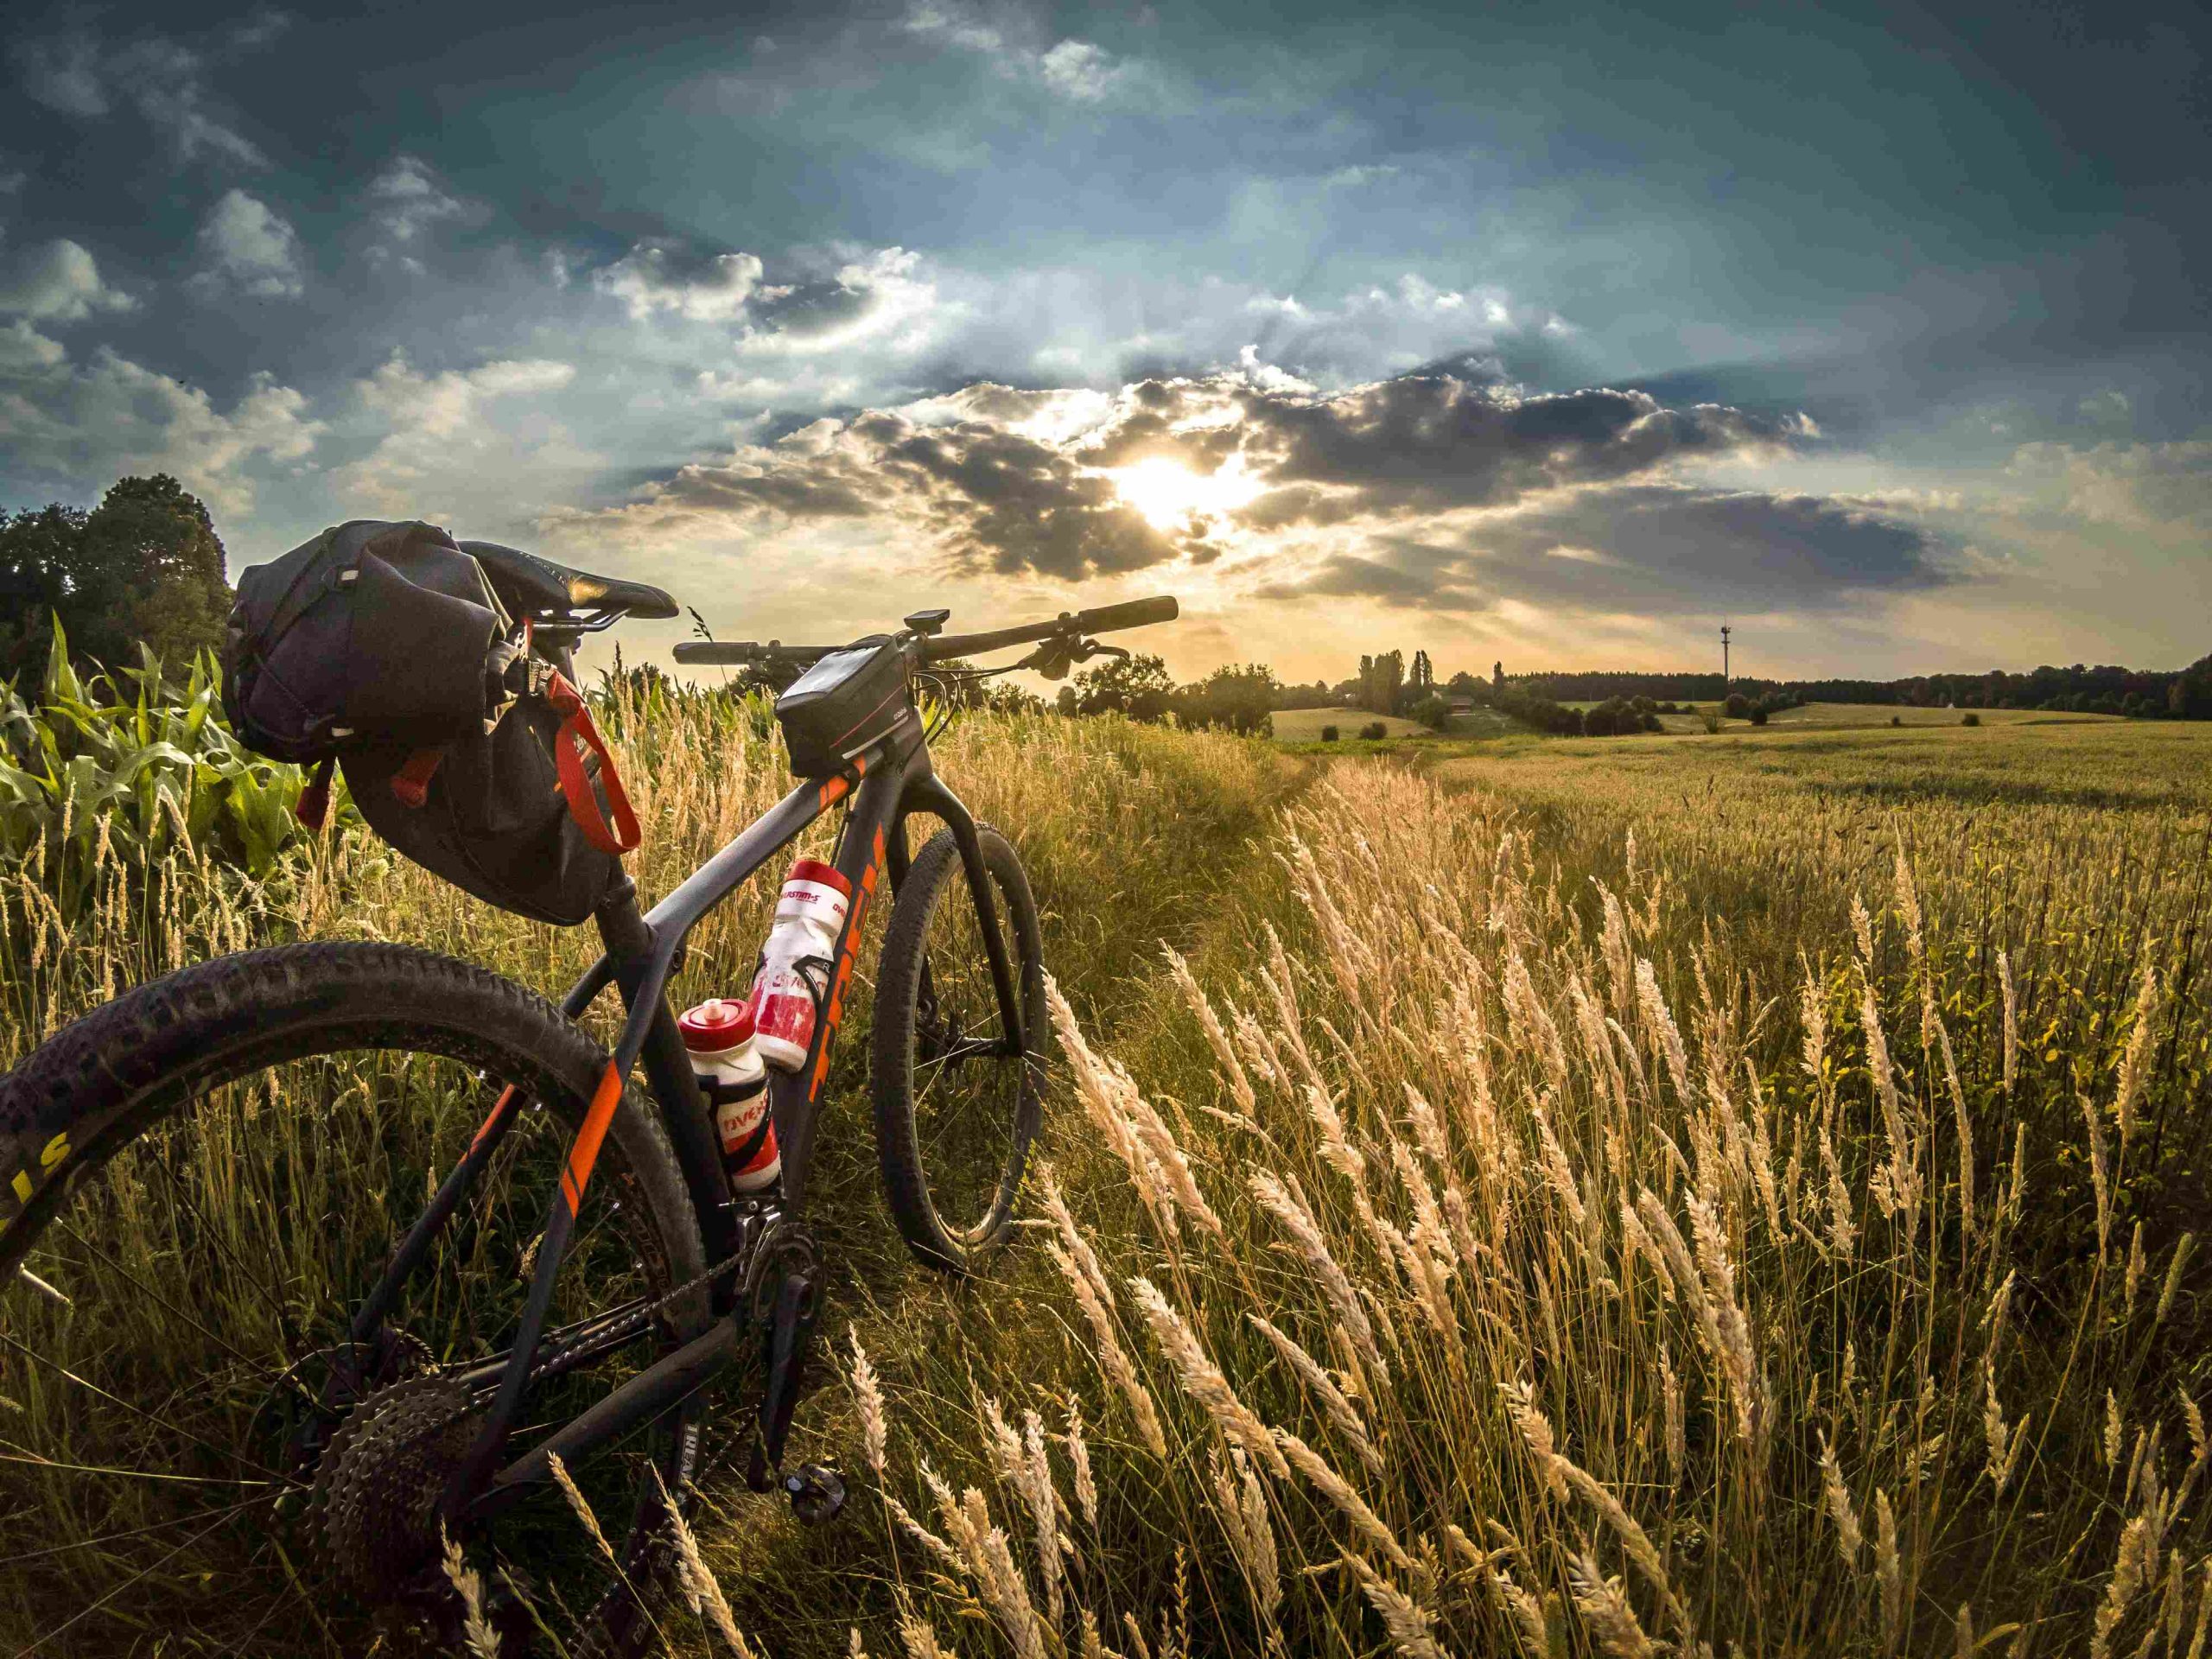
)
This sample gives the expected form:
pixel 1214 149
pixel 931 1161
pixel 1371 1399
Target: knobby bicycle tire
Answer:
pixel 137 1072
pixel 979 1139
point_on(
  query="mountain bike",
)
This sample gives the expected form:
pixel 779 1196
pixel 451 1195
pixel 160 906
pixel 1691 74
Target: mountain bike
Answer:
pixel 320 1262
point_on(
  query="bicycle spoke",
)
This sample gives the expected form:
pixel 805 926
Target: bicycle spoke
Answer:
pixel 158 1423
pixel 146 1290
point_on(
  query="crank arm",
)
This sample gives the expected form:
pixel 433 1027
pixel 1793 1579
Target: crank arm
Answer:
pixel 790 1330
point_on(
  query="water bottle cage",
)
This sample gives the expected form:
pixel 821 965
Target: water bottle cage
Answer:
pixel 814 974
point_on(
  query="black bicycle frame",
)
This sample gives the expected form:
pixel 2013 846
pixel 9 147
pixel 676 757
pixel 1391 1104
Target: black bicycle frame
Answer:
pixel 882 786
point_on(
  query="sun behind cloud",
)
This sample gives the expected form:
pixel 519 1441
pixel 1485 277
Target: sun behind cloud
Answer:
pixel 1169 494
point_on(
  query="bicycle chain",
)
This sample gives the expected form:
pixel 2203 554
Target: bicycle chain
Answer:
pixel 380 1479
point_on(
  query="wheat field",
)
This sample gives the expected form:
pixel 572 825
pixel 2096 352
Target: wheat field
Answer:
pixel 1638 1196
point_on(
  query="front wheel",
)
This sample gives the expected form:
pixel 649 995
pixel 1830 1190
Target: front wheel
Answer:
pixel 958 1099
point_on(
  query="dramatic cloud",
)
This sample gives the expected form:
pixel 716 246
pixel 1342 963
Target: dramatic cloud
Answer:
pixel 110 415
pixel 59 283
pixel 247 246
pixel 1644 550
pixel 991 498
pixel 1065 484
pixel 164 79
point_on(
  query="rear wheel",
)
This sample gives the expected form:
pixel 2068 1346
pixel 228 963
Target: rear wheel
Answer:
pixel 215 1171
pixel 957 1107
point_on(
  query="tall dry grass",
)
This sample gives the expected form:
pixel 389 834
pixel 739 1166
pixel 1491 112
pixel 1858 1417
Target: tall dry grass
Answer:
pixel 1505 1245
pixel 305 1181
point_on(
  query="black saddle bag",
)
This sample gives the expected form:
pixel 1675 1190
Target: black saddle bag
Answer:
pixel 382 647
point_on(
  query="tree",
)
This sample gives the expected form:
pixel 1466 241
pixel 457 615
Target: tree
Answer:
pixel 2189 697
pixel 1381 682
pixel 145 565
pixel 38 551
pixel 1237 698
pixel 1423 680
pixel 1432 711
pixel 1136 686
pixel 1737 707
pixel 1497 675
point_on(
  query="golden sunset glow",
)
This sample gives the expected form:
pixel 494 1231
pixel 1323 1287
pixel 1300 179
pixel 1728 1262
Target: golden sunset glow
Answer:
pixel 1169 493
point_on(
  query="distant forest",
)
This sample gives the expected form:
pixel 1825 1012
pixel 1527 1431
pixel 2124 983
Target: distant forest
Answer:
pixel 2147 693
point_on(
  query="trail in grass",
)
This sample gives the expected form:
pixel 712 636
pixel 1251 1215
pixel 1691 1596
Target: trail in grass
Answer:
pixel 801 1590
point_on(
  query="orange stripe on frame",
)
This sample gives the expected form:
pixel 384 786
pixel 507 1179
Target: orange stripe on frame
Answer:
pixel 499 1111
pixel 585 1153
pixel 837 1011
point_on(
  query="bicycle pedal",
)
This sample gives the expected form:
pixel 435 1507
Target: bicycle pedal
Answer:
pixel 816 1494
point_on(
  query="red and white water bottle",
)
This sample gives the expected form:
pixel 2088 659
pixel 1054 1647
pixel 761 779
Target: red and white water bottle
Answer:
pixel 719 1034
pixel 795 962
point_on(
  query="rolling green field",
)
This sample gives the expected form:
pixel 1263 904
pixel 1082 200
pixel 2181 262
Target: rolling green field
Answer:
pixel 1303 726
pixel 1708 1192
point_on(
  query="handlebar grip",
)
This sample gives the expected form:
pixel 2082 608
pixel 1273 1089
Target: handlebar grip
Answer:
pixel 714 652
pixel 1136 614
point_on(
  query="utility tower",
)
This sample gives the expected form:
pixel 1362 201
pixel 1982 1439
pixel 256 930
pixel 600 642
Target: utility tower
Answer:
pixel 1724 658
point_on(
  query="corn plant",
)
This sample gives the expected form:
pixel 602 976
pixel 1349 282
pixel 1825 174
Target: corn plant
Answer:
pixel 128 764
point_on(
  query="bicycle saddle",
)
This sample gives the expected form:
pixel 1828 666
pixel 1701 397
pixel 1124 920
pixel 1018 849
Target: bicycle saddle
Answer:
pixel 530 585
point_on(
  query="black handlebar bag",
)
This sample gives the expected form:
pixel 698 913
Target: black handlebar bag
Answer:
pixel 382 648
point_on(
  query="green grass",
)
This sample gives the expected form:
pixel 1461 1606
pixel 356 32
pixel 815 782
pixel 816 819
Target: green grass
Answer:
pixel 1300 728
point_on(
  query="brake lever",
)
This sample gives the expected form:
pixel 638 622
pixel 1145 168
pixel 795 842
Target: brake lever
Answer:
pixel 1052 659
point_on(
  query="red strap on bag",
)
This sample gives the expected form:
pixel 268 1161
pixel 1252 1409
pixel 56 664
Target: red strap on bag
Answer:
pixel 576 734
pixel 313 807
pixel 411 783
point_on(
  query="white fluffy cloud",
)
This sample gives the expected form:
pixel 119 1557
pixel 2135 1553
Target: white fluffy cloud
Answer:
pixel 110 415
pixel 1077 70
pixel 473 445
pixel 408 199
pixel 650 279
pixel 59 283
pixel 1081 71
pixel 248 246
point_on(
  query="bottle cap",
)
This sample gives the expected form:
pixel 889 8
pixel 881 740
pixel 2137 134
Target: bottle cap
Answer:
pixel 716 1024
pixel 813 869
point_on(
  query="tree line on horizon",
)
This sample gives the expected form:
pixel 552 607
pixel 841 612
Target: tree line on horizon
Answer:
pixel 146 566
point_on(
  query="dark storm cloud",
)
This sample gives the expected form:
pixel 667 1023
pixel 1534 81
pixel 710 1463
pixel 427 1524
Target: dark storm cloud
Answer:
pixel 1430 443
pixel 994 500
pixel 1647 549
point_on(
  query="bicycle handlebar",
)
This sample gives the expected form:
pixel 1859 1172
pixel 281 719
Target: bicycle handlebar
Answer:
pixel 1105 619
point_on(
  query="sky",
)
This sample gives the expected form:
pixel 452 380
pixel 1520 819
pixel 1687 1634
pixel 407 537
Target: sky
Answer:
pixel 1541 335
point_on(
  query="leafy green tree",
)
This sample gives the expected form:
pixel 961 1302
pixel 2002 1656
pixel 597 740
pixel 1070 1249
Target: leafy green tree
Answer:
pixel 2189 697
pixel 1238 698
pixel 38 551
pixel 1136 686
pixel 1432 711
pixel 144 567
